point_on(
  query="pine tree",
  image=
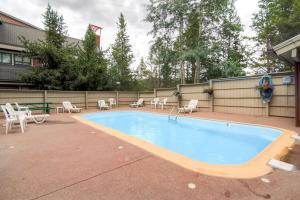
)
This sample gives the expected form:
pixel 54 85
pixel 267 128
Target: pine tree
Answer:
pixel 53 53
pixel 55 28
pixel 92 66
pixel 121 57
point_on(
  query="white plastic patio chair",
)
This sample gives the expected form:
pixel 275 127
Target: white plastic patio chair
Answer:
pixel 154 102
pixel 192 106
pixel 20 108
pixel 11 118
pixel 103 105
pixel 163 103
pixel 69 107
pixel 139 103
pixel 112 102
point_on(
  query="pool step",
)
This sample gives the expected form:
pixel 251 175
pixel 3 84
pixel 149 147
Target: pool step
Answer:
pixel 296 137
pixel 281 165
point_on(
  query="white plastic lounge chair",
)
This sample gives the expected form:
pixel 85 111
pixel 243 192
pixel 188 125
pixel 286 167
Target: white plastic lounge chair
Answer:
pixel 37 118
pixel 20 108
pixel 11 118
pixel 138 103
pixel 103 105
pixel 69 107
pixel 112 102
pixel 192 106
pixel 163 103
pixel 154 102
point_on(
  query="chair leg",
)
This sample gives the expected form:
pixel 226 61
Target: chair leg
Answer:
pixel 7 127
pixel 22 122
pixel 10 125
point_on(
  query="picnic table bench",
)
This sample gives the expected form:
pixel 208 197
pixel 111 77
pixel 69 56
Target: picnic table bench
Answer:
pixel 44 106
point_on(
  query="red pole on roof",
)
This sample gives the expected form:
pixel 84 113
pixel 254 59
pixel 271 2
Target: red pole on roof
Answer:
pixel 96 29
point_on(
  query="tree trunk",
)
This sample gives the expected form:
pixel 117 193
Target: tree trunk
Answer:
pixel 193 71
pixel 197 72
pixel 182 73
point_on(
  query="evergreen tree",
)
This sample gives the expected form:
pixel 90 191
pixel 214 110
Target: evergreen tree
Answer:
pixel 55 28
pixel 121 58
pixel 142 71
pixel 143 77
pixel 55 56
pixel 92 66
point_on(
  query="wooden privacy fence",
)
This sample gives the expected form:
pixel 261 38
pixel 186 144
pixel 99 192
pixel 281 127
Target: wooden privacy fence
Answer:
pixel 85 99
pixel 161 93
pixel 232 95
pixel 238 95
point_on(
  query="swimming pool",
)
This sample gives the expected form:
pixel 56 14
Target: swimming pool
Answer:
pixel 201 140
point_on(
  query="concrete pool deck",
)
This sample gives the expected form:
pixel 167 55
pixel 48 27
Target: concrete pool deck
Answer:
pixel 65 159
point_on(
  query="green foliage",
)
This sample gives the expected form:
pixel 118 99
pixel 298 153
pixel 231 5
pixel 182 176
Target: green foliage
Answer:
pixel 195 40
pixel 161 55
pixel 276 21
pixel 55 28
pixel 121 58
pixel 65 66
pixel 92 66
pixel 53 54
pixel 143 77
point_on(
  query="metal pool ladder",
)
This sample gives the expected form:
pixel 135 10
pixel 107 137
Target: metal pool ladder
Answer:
pixel 170 115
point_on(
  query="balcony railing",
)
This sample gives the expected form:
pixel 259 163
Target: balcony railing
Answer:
pixel 11 73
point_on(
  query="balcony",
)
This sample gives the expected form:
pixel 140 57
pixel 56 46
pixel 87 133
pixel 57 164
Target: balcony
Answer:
pixel 11 73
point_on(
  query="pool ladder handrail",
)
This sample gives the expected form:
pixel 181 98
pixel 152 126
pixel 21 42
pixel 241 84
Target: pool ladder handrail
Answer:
pixel 170 114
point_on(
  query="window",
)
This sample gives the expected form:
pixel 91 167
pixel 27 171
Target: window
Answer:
pixel 5 58
pixel 18 60
pixel 26 60
pixel 22 60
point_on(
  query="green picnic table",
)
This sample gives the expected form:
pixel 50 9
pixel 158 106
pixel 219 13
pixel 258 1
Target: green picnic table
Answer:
pixel 44 106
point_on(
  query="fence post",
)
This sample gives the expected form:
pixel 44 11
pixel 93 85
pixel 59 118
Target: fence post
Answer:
pixel 211 86
pixel 86 99
pixel 179 99
pixel 46 110
pixel 45 96
pixel 117 98
pixel 155 92
pixel 267 109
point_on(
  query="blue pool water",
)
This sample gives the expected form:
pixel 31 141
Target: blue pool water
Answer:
pixel 209 141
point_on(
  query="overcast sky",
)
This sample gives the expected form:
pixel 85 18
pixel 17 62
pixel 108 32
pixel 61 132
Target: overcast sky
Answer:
pixel 79 13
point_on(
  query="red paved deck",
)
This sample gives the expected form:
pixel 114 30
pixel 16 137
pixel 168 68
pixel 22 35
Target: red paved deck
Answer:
pixel 64 159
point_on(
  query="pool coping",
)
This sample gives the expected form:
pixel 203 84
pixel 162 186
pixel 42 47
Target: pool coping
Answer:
pixel 255 167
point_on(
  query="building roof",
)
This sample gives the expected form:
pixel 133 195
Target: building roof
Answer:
pixel 10 34
pixel 11 29
pixel 7 18
pixel 289 49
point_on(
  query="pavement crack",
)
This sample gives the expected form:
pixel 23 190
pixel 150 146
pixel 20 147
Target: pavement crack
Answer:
pixel 94 176
pixel 246 185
